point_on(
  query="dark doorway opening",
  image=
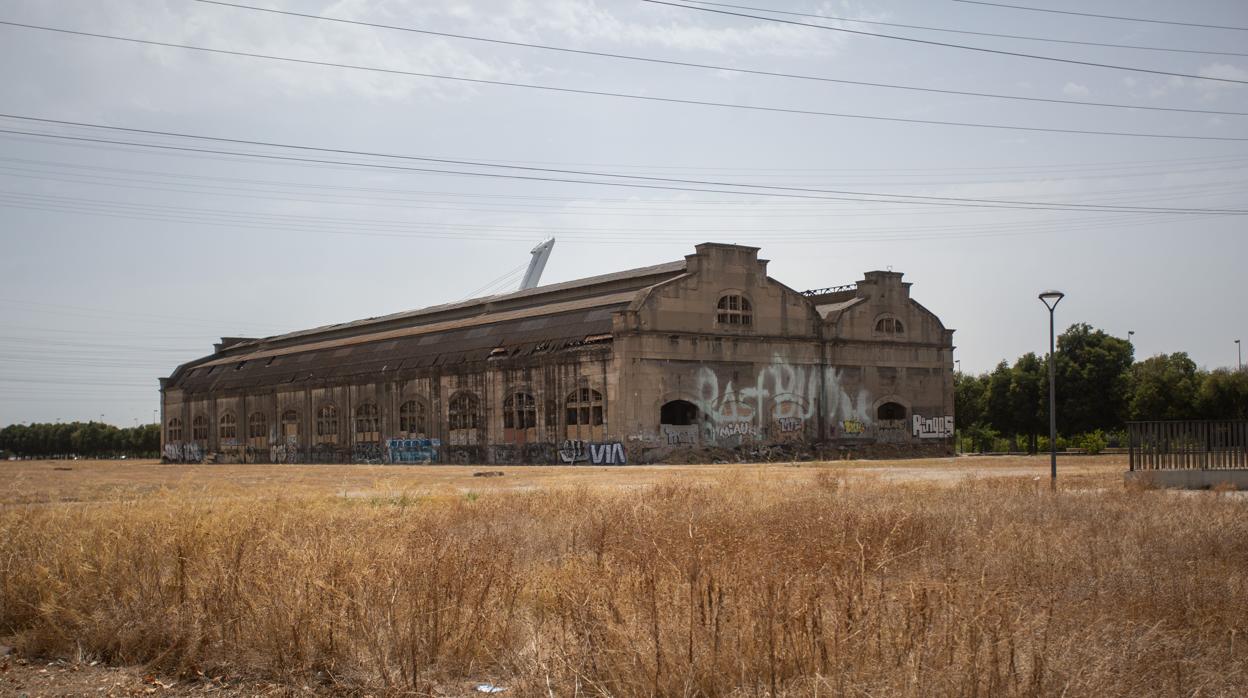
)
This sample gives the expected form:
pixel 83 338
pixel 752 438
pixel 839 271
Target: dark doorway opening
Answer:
pixel 679 413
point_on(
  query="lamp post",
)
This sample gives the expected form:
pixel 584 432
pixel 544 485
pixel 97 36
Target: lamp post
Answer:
pixel 1050 299
pixel 1239 356
pixel 1130 334
pixel 959 361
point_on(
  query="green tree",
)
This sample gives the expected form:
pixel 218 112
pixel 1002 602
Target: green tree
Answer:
pixel 999 412
pixel 1223 394
pixel 1165 387
pixel 1092 380
pixel 1029 397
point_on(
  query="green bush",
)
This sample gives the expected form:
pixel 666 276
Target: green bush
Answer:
pixel 1092 442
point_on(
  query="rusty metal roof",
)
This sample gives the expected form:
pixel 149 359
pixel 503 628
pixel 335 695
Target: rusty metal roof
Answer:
pixel 445 345
pixel 641 277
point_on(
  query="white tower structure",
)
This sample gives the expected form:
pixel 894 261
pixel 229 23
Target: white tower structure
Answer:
pixel 541 253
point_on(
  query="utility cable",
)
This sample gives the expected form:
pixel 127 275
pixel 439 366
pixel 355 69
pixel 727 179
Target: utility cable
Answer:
pixel 770 189
pixel 648 98
pixel 706 66
pixel 945 44
pixel 1089 14
pixel 1136 47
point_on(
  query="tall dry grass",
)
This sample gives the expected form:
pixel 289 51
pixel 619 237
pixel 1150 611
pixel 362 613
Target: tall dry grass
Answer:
pixel 990 588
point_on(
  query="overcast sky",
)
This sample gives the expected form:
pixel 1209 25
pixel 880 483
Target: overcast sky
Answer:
pixel 120 262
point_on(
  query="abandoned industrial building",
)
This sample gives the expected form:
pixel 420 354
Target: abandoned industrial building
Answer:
pixel 638 366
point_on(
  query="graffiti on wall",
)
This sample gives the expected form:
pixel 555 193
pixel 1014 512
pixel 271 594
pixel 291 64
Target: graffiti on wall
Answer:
pixel 366 452
pixel 781 399
pixel 675 435
pixel 611 453
pixel 853 427
pixel 573 451
pixel 183 452
pixel 608 453
pixel 412 450
pixel 932 427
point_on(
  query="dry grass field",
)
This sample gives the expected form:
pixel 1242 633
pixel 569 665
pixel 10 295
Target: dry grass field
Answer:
pixel 914 578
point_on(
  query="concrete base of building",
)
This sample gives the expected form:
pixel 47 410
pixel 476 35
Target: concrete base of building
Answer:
pixel 1189 479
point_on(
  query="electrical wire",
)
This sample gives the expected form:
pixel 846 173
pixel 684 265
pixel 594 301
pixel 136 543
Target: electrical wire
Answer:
pixel 768 190
pixel 668 100
pixel 1118 17
pixel 705 66
pixel 1136 47
pixel 944 44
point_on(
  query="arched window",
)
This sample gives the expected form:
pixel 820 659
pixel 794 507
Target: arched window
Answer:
pixel 679 413
pixel 413 418
pixel 889 325
pixel 519 411
pixel 290 424
pixel 367 423
pixel 735 309
pixel 890 411
pixel 174 431
pixel 327 424
pixel 257 426
pixel 228 426
pixel 463 411
pixel 584 407
pixel 199 428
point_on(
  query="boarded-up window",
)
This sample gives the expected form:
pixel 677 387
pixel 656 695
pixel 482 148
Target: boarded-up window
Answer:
pixel 199 428
pixel 519 411
pixel 290 424
pixel 463 411
pixel 327 424
pixel 228 427
pixel 584 407
pixel 257 426
pixel 413 418
pixel 367 423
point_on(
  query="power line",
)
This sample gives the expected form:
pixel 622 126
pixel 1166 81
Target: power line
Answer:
pixel 946 44
pixel 707 66
pixel 1089 14
pixel 949 31
pixel 767 190
pixel 652 98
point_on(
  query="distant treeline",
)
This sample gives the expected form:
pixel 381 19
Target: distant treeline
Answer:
pixel 85 439
pixel 1100 387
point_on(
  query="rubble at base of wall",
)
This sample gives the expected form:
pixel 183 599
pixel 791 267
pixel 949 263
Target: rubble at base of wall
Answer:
pixel 795 452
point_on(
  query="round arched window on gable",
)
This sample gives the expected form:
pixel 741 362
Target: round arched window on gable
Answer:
pixel 734 309
pixel 889 325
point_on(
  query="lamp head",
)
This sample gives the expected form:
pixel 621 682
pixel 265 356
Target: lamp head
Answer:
pixel 1051 297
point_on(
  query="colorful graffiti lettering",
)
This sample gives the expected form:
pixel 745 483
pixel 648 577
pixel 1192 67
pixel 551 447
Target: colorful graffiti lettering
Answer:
pixel 853 427
pixel 411 450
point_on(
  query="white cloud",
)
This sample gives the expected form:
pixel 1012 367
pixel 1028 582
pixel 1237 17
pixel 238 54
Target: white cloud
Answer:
pixel 1072 89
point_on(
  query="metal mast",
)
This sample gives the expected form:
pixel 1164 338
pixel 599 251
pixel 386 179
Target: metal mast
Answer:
pixel 541 253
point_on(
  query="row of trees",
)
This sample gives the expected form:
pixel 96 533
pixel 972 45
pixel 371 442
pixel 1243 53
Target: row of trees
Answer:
pixel 1099 388
pixel 87 439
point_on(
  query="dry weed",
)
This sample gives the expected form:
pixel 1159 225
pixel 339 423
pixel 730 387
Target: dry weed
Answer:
pixel 740 586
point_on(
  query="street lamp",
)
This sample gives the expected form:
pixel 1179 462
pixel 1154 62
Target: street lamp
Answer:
pixel 959 362
pixel 1130 334
pixel 1239 356
pixel 1050 299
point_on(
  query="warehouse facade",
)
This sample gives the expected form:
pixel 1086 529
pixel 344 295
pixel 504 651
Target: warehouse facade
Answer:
pixel 676 360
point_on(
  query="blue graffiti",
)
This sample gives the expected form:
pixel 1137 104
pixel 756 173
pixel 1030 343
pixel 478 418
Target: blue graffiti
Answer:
pixel 412 450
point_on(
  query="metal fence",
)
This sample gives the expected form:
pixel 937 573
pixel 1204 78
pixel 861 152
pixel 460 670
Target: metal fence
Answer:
pixel 1188 445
